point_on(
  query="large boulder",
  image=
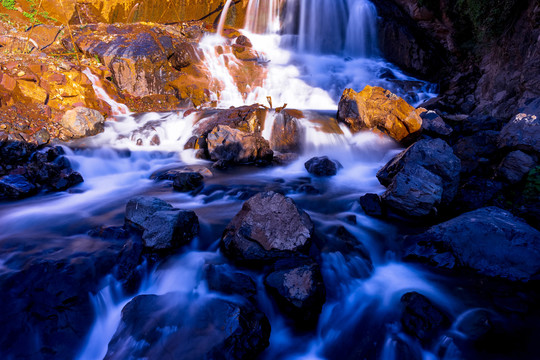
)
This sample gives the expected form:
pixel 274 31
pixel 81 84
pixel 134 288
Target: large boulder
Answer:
pixel 16 187
pixel 171 326
pixel 428 167
pixel 515 166
pixel 46 292
pixel 269 226
pixel 378 109
pixel 83 122
pixel 298 289
pixel 521 133
pixel 322 166
pixel 162 226
pixel 236 146
pixel 490 241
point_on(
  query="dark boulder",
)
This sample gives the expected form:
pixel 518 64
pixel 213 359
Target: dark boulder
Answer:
pixel 162 226
pixel 188 181
pixel 476 151
pixel 298 289
pixel 16 187
pixel 322 166
pixel 172 326
pixel 434 125
pixel 421 318
pixel 515 166
pixel 268 226
pixel 490 241
pixel 477 192
pixel 521 133
pixel 223 279
pixel 372 205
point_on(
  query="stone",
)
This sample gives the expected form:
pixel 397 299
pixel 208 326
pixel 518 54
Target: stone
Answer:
pixel 421 318
pixel 414 192
pixel 173 326
pixel 433 124
pixel 380 110
pixel 224 279
pixel 434 155
pixel 477 192
pixel 287 134
pixel 322 166
pixel 298 289
pixel 16 187
pixel 83 122
pixel 236 146
pixel 521 133
pixel 372 205
pixel 515 166
pixel 489 241
pixel 163 227
pixel 269 226
pixel 188 181
pixel 476 150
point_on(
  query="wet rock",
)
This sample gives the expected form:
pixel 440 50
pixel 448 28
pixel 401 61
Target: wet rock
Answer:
pixel 83 122
pixel 162 226
pixel 224 279
pixel 378 109
pixel 268 226
pixel 236 146
pixel 16 187
pixel 421 318
pixel 243 40
pixel 46 293
pixel 322 166
pixel 181 56
pixel 521 133
pixel 515 166
pixel 372 205
pixel 490 241
pixel 433 124
pixel 170 325
pixel 188 181
pixel 298 289
pixel 475 193
pixel 476 151
pixel 434 156
pixel 287 134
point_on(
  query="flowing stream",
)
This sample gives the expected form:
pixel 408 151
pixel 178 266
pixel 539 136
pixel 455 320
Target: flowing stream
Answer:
pixel 314 50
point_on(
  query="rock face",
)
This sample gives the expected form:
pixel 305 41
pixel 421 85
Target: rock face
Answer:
pixel 380 110
pixel 433 124
pixel 490 241
pixel 232 145
pixel 162 226
pixel 269 226
pixel 421 177
pixel 521 133
pixel 420 318
pixel 24 170
pixel 158 327
pixel 46 292
pixel 83 122
pixel 515 166
pixel 322 166
pixel 298 289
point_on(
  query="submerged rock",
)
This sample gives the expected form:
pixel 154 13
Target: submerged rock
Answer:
pixel 322 166
pixel 490 241
pixel 298 289
pixel 188 181
pixel 224 279
pixel 162 226
pixel 269 226
pixel 173 326
pixel 378 109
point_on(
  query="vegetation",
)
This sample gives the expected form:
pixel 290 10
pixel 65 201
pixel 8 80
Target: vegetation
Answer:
pixel 532 185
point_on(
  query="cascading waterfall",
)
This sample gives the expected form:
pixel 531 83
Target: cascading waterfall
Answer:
pixel 262 16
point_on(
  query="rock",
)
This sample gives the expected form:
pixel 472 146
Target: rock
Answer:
pixel 83 122
pixel 232 145
pixel 476 151
pixel 433 155
pixel 243 40
pixel 515 166
pixel 490 241
pixel 420 318
pixel 16 187
pixel 521 133
pixel 433 124
pixel 476 324
pixel 268 226
pixel 372 205
pixel 162 226
pixel 188 181
pixel 224 279
pixel 322 166
pixel 287 134
pixel 46 293
pixel 171 326
pixel 181 56
pixel 298 289
pixel 414 192
pixel 475 193
pixel 378 109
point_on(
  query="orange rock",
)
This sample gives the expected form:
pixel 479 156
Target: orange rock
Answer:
pixel 380 110
pixel 29 92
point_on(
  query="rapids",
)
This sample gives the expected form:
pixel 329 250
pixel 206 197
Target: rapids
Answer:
pixel 321 48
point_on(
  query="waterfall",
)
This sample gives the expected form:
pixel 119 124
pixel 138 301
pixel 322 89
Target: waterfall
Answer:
pixel 116 107
pixel 223 17
pixel 262 16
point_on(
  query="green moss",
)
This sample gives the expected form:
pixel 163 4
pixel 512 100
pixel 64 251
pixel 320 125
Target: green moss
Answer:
pixel 9 4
